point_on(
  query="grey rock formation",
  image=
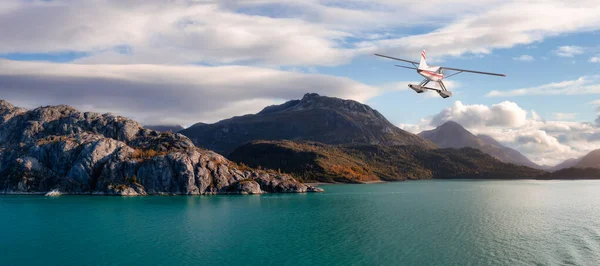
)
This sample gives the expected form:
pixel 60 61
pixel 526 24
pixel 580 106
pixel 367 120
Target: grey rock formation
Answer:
pixel 53 193
pixel 165 128
pixel 57 148
pixel 248 187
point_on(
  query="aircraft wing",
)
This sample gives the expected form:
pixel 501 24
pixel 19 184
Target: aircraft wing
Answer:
pixel 473 71
pixel 403 60
pixel 406 67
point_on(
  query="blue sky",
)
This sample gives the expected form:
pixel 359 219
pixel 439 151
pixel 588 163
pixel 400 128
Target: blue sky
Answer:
pixel 546 67
pixel 188 61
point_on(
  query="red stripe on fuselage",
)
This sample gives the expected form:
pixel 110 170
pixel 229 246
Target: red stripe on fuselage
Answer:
pixel 432 73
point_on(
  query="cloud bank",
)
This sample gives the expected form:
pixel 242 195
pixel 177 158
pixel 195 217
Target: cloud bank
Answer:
pixel 582 85
pixel 166 94
pixel 293 33
pixel 544 142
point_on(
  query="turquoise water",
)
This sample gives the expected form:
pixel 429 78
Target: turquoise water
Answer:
pixel 410 223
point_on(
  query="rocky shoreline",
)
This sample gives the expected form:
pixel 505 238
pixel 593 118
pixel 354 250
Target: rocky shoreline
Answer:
pixel 58 148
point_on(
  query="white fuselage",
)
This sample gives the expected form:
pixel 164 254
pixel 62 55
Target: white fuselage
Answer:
pixel 431 73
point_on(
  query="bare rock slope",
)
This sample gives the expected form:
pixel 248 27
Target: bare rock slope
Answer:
pixel 58 148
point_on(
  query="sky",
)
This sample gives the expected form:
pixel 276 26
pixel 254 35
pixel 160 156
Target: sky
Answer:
pixel 185 61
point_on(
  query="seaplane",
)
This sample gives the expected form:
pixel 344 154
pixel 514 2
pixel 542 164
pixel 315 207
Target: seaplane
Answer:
pixel 434 74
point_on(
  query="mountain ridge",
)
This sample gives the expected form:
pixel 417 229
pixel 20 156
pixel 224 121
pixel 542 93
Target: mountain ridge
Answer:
pixel 358 163
pixel 590 160
pixel 453 135
pixel 318 118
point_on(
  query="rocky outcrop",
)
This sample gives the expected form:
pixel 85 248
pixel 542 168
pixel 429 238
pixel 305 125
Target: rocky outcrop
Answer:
pixel 57 148
pixel 248 187
pixel 53 193
pixel 165 128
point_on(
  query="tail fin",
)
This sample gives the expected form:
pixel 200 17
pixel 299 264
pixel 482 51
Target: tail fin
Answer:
pixel 423 63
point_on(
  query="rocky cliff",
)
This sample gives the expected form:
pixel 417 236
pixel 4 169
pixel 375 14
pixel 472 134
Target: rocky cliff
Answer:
pixel 60 148
pixel 317 118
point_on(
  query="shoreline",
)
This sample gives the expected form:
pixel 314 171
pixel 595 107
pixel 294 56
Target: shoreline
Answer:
pixel 315 184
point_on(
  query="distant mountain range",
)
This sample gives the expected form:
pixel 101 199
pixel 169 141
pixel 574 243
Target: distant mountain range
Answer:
pixel 335 121
pixel 566 164
pixel 327 139
pixel 316 138
pixel 590 160
pixel 586 167
pixel 453 135
pixel 314 118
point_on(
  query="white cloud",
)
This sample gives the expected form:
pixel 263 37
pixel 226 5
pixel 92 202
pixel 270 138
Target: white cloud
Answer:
pixel 564 116
pixel 166 94
pixel 568 51
pixel 169 32
pixel 544 142
pixel 527 58
pixel 595 59
pixel 397 86
pixel 299 33
pixel 500 26
pixel 536 117
pixel 502 114
pixel 582 85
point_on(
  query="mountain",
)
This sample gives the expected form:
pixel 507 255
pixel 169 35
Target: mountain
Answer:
pixel 566 164
pixel 573 173
pixel 165 128
pixel 58 148
pixel 315 118
pixel 590 160
pixel 586 167
pixel 453 135
pixel 355 163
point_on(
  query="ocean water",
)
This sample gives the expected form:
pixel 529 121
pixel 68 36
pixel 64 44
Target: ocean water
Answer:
pixel 406 223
